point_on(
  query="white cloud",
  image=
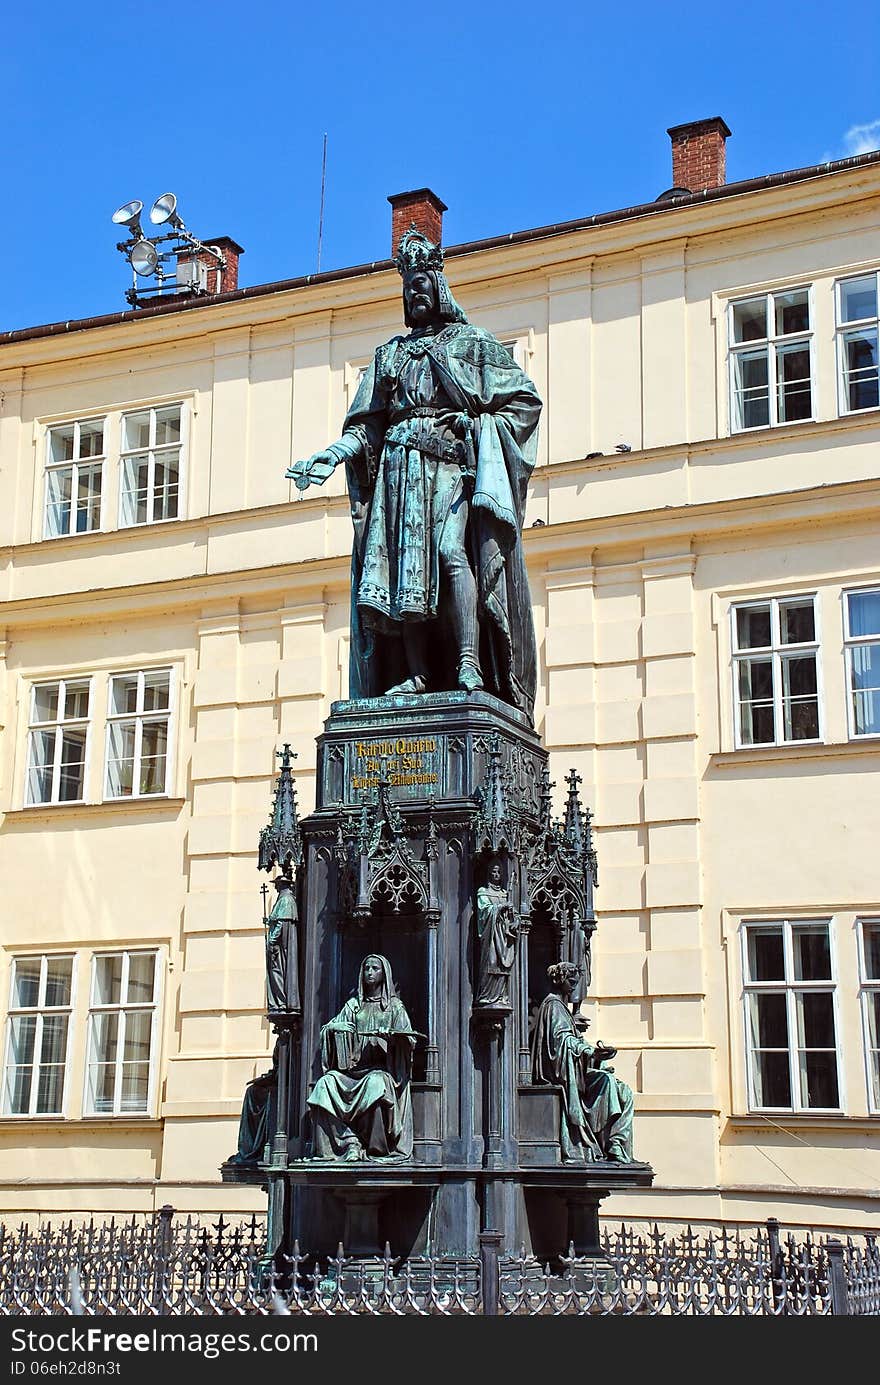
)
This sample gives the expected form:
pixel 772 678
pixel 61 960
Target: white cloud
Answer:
pixel 861 139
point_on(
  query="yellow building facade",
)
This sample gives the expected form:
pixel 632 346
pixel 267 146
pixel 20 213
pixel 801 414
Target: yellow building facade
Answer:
pixel 707 605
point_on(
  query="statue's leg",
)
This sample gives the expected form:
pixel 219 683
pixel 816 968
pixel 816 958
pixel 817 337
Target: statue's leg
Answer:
pixel 415 643
pixel 462 592
pixel 333 1139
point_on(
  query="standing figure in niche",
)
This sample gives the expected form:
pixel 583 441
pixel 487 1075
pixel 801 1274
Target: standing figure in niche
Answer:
pixel 361 1107
pixel 258 1116
pixel 597 1108
pixel 496 930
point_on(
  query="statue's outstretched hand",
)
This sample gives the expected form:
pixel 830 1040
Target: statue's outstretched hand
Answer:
pixel 313 471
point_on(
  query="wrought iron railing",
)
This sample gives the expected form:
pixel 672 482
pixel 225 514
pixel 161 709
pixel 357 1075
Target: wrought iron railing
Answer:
pixel 163 1265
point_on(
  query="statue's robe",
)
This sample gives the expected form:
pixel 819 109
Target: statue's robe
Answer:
pixel 407 473
pixel 597 1108
pixel 365 1087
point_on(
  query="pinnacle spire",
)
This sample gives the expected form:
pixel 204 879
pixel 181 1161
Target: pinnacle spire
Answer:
pixel 281 841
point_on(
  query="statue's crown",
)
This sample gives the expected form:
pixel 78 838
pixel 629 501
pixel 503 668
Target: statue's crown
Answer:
pixel 415 251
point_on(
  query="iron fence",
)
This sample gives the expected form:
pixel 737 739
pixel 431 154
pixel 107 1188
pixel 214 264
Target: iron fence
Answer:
pixel 164 1265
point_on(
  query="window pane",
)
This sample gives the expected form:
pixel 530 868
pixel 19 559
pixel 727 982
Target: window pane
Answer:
pixel 793 383
pixel 61 444
pixel 88 499
pixel 73 764
pixel 750 319
pixel 753 627
pixel 858 299
pixel 757 718
pixel 135 493
pixel 54 1044
pixel 26 983
pixel 137 1036
pixel 864 613
pixel 17 1091
pixel 865 667
pixel 166 485
pixel 873 1026
pixel 136 432
pixel 41 759
pixel 796 622
pixel 771 1079
pixel 800 700
pixel 792 312
pixel 59 485
pixel 120 759
pixel 751 389
pixel 167 425
pixel 154 750
pixel 860 369
pixel 91 438
pixel 46 702
pixel 123 694
pixel 141 970
pixel 135 1086
pixel 766 956
pixel 76 701
pixel 156 691
pixel 818 1079
pixel 812 952
pixel 871 935
pixel 108 980
pixel 815 1012
pixel 22 1033
pixel 769 1021
pixel 59 973
pixel 50 1090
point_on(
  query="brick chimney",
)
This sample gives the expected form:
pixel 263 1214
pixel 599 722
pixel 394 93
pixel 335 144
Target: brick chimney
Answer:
pixel 195 265
pixel 421 208
pixel 698 154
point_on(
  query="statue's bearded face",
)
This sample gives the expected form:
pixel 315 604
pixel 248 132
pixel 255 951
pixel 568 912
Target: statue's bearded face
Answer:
pixel 419 297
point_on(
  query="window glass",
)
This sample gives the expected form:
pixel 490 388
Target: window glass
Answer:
pixel 792 312
pixel 136 432
pixel 766 957
pixel 91 438
pixel 871 935
pixel 858 299
pixel 797 623
pixel 750 320
pixel 108 979
pixel 26 983
pixel 59 979
pixel 141 971
pixel 864 612
pixel 753 627
pixel 61 444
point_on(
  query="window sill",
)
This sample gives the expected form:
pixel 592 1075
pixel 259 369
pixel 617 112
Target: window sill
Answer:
pixel 831 1120
pixel 65 1122
pixel 36 811
pixel 796 750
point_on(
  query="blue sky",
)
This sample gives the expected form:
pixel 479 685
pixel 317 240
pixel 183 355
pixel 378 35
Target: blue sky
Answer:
pixel 516 114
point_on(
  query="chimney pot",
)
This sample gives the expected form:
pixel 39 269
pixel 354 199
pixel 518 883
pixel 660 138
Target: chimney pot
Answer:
pixel 421 208
pixel 698 154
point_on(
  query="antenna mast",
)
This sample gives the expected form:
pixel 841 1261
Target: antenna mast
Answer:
pixel 321 213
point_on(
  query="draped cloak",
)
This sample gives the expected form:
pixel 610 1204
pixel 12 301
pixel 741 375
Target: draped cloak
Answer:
pixel 400 491
pixel 597 1108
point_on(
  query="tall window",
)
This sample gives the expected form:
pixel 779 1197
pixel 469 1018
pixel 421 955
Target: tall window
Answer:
pixel 863 661
pixel 150 484
pixel 857 355
pixel 769 339
pixel 36 1036
pixel 137 734
pixel 870 939
pixel 776 673
pixel 74 467
pixel 789 1016
pixel 122 1018
pixel 57 740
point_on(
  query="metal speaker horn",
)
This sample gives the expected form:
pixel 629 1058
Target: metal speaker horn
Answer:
pixel 129 216
pixel 143 257
pixel 165 209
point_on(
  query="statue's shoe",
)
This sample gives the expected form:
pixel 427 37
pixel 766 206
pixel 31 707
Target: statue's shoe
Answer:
pixel 409 685
pixel 469 677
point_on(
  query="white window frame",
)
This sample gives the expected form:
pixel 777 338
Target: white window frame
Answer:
pixel 121 1007
pixel 139 717
pixel 39 1010
pixel 868 986
pixel 790 986
pixel 852 642
pixel 152 450
pixel 73 465
pixel 777 650
pixel 771 344
pixel 59 724
pixel 841 329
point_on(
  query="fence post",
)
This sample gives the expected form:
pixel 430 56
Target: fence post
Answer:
pixel 777 1284
pixel 837 1276
pixel 490 1272
pixel 162 1252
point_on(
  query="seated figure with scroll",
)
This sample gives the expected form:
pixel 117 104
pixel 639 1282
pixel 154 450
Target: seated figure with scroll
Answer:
pixel 597 1107
pixel 361 1106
